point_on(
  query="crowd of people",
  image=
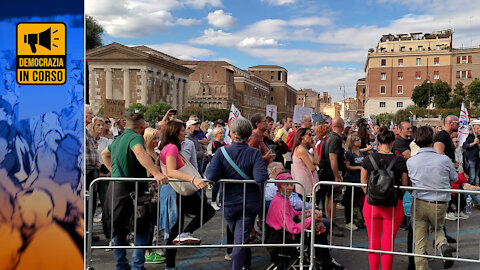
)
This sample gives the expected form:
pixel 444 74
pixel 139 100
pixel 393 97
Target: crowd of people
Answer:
pixel 260 149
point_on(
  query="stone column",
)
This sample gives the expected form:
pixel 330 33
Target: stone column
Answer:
pixel 174 92
pixel 185 93
pixel 154 87
pixel 126 86
pixel 108 86
pixel 164 87
pixel 143 97
pixel 181 91
pixel 92 86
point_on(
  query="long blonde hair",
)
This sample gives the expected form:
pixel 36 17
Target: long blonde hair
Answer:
pixel 350 141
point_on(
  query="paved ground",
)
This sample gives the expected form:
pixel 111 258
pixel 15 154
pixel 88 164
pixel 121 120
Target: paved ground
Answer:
pixel 210 258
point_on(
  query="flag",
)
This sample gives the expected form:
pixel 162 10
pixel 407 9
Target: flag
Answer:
pixel 392 126
pixel 463 125
pixel 234 114
pixel 370 124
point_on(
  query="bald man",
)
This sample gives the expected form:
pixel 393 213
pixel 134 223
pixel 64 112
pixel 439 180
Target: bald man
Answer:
pixel 307 121
pixel 335 153
pixel 443 143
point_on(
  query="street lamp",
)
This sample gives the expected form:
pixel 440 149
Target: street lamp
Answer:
pixel 428 94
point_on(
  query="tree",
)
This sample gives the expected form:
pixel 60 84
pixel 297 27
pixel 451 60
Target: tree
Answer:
pixel 137 107
pixel 384 119
pixel 93 33
pixel 420 95
pixel 474 92
pixel 441 92
pixel 458 96
pixel 156 112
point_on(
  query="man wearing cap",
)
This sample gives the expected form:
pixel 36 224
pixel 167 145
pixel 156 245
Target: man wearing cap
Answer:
pixel 193 127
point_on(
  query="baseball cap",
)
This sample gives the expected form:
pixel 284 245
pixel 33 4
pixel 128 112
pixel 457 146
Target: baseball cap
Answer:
pixel 192 122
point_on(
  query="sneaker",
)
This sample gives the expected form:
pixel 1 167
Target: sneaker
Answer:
pixel 228 256
pixel 154 257
pixel 447 251
pixel 462 215
pixel 336 266
pixel 215 206
pixel 97 218
pixel 451 216
pixel 351 227
pixel 186 239
pixel 450 239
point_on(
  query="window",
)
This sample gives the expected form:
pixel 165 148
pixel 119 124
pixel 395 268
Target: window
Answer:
pixel 458 60
pixel 399 89
pixel 363 90
pixel 402 49
pixel 469 59
pixel 382 105
pixel 436 61
pixel 419 61
pixel 384 62
pixel 400 62
pixel 383 89
pixel 400 76
pixel 279 75
pixel 458 74
pixel 436 75
pixel 418 75
pixel 271 89
pixel 363 103
pixel 271 98
pixel 272 77
pixel 464 74
pixel 437 47
pixel 399 104
pixel 420 48
pixel 469 74
pixel 464 59
pixel 383 76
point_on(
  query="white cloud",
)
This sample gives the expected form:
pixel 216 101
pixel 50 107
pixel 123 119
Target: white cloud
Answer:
pixel 326 79
pixel 255 42
pixel 184 52
pixel 311 21
pixel 136 18
pixel 220 19
pixel 279 2
pixel 187 22
pixel 305 57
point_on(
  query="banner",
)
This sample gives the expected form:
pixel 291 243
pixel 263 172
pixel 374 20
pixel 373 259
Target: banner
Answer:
pixel 299 112
pixel 114 108
pixel 272 112
pixel 463 125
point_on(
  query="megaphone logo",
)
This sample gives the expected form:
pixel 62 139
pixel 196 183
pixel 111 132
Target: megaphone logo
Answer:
pixel 43 39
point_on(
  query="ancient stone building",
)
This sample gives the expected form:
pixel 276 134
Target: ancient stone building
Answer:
pixel 135 74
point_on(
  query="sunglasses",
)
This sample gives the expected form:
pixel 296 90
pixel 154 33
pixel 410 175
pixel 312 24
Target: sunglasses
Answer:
pixel 107 122
pixel 357 140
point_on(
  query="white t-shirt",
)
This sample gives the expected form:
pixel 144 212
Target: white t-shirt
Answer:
pixel 102 144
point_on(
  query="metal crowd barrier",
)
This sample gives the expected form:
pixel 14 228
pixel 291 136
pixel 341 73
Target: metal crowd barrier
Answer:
pixel 91 211
pixel 351 247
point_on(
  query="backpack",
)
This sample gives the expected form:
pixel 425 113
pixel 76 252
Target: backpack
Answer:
pixel 323 160
pixel 290 138
pixel 381 188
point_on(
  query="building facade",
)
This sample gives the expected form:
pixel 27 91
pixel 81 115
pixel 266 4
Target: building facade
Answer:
pixel 361 87
pixel 281 93
pixel 348 110
pixel 399 64
pixel 136 75
pixel 465 66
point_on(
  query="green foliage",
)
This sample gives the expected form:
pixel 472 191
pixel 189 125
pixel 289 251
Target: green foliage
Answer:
pixel 459 96
pixel 93 33
pixel 441 92
pixel 208 114
pixel 100 112
pixel 474 92
pixel 420 95
pixel 137 107
pixel 384 118
pixel 156 112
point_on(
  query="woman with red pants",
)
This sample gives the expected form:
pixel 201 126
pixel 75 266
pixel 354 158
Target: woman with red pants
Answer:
pixel 381 220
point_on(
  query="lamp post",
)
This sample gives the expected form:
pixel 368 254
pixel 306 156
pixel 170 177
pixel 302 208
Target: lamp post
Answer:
pixel 428 106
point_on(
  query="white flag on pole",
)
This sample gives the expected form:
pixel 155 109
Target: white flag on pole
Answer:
pixel 463 125
pixel 234 114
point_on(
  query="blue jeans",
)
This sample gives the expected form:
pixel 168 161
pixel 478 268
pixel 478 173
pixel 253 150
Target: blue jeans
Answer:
pixel 138 256
pixel 241 228
pixel 473 170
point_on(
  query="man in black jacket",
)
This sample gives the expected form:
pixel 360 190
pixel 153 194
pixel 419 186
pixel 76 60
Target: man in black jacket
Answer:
pixel 471 146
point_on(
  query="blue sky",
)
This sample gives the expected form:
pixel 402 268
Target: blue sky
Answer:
pixel 323 44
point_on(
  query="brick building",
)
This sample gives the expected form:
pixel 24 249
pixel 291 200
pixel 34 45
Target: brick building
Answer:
pixel 465 66
pixel 400 63
pixel 281 93
pixel 360 90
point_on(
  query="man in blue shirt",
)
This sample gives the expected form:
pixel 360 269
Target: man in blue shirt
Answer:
pixel 430 170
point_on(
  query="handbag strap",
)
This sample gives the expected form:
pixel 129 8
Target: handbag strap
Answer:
pixel 234 166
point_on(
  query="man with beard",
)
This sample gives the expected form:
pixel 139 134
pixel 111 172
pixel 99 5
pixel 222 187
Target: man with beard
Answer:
pixel 443 144
pixel 401 147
